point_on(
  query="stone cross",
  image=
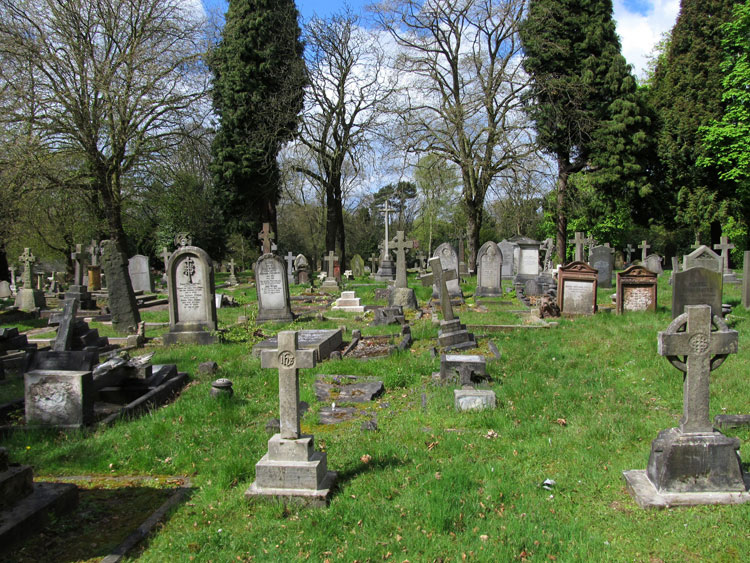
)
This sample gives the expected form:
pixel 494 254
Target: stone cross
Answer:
pixel 12 278
pixel 401 246
pixel 421 257
pixel 696 245
pixel 27 259
pixel 385 210
pixel 579 241
pixel 441 278
pixel 629 251
pixel 183 239
pixel 289 359
pixel 645 246
pixel 704 351
pixel 725 247
pixel 289 264
pixel 93 250
pixel 64 338
pixel 374 258
pixel 591 243
pixel 165 256
pixel 232 277
pixel 331 258
pixel 267 237
pixel 77 257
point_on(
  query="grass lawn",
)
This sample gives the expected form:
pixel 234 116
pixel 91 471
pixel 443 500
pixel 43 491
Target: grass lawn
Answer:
pixel 577 403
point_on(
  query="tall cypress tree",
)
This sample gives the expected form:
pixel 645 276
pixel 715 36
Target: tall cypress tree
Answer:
pixel 583 99
pixel 686 91
pixel 259 78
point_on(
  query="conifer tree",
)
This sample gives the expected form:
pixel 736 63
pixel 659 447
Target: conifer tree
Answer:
pixel 259 78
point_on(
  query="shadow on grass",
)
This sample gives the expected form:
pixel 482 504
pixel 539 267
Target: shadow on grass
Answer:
pixel 375 465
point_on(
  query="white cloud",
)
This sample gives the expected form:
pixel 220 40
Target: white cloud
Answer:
pixel 640 33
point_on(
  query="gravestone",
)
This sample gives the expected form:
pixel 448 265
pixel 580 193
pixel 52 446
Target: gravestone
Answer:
pixel 289 265
pixel 725 246
pixel 302 269
pixel 348 302
pixel 644 246
pixel 122 303
pixel 703 257
pixel 331 283
pixel 273 289
pixel 619 260
pixel 576 289
pixel 452 335
pixel 636 289
pixel 506 250
pixel 654 263
pixel 291 470
pixel 579 241
pixel 77 289
pixel 489 271
pixel 358 266
pixel 321 341
pixel 28 298
pixel 696 286
pixel 94 269
pixel 232 275
pixel 548 247
pixel 602 260
pixel 629 251
pixel 387 269
pixel 528 259
pixel 140 274
pixel 402 295
pixel 448 261
pixel 192 300
pixel 5 292
pixel 693 459
pixel 266 237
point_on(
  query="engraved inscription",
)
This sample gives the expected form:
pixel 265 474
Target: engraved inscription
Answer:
pixel 190 290
pixel 271 284
pixel 286 359
pixel 637 298
pixel 578 297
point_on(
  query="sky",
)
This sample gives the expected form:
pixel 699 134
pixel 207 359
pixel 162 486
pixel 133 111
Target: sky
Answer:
pixel 640 23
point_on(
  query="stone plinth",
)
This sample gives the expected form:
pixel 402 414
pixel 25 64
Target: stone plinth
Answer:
pixel 452 335
pixel 30 299
pixel 81 292
pixel 474 399
pixel 402 297
pixel 348 303
pixel 461 369
pixel 57 398
pixel 386 271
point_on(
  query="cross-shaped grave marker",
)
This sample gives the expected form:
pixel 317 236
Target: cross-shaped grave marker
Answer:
pixel 165 254
pixel 591 243
pixel 77 257
pixel 629 251
pixel 696 245
pixel 27 259
pixel 289 359
pixel 374 262
pixel 331 259
pixel 579 241
pixel 232 277
pixel 289 264
pixel 704 351
pixel 93 250
pixel 645 246
pixel 420 258
pixel 267 236
pixel 12 278
pixel 385 210
pixel 441 278
pixel 725 246
pixel 400 245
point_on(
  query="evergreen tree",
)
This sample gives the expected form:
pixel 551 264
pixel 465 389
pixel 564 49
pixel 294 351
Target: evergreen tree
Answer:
pixel 686 91
pixel 584 101
pixel 259 78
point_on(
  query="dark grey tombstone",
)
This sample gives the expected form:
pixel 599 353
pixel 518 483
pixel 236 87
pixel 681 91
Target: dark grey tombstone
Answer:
pixel 602 260
pixel 273 289
pixel 696 286
pixel 489 270
pixel 122 304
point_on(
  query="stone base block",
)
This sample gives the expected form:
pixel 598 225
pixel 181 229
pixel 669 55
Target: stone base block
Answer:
pixel 201 337
pixel 280 449
pixel 307 497
pixel 30 299
pixel 732 420
pixel 291 474
pixel 462 368
pixel 386 271
pixel 454 336
pixel 275 315
pixel 330 286
pixel 474 399
pixel 488 292
pixel 16 482
pixel 693 463
pixel 58 398
pixel 646 495
pixel 402 297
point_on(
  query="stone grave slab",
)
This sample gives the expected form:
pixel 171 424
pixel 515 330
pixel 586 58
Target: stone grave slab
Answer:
pixel 696 286
pixel 636 290
pixel 601 259
pixel 464 370
pixel 140 273
pixel 576 289
pixel 474 399
pixel 63 399
pixel 489 271
pixel 323 342
pixel 347 389
pixel 272 289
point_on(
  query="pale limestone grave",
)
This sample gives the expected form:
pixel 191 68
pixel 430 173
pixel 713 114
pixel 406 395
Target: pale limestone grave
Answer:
pixel 725 246
pixel 489 271
pixel 387 269
pixel 452 335
pixel 528 259
pixel 28 298
pixel 140 273
pixel 5 292
pixel 507 252
pixel 579 241
pixel 272 289
pixel 448 261
pixel 401 295
pixel 348 302
pixel 330 284
pixel 654 263
pixel 266 237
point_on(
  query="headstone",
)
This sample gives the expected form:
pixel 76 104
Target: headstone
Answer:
pixel 489 271
pixel 122 304
pixel 694 457
pixel 576 289
pixel 463 270
pixel 629 251
pixel 703 257
pixel 323 342
pixel 528 259
pixel 273 289
pixel 548 247
pixel 232 275
pixel 644 246
pixel 452 334
pixel 191 293
pixel 28 298
pixel 746 280
pixel 619 260
pixel 77 289
pixel 725 246
pixel 421 256
pixel 266 236
pixel 165 259
pixel 579 241
pixel 654 263
pixel 696 286
pixel 5 292
pixel 13 286
pixel 636 289
pixel 140 274
pixel 506 250
pixel 95 278
pixel 402 295
pixel 448 261
pixel 330 283
pixel 94 251
pixel 292 469
pixel 289 265
pixel 358 266
pixel 602 260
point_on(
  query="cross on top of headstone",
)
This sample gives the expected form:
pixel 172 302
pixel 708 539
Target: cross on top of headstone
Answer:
pixel 289 264
pixel 93 250
pixel 165 256
pixel 77 257
pixel 696 245
pixel 725 246
pixel 579 241
pixel 386 210
pixel 421 256
pixel 183 239
pixel 629 251
pixel 267 236
pixel 400 245
pixel 331 258
pixel 288 358
pixel 27 259
pixel 441 278
pixel 374 262
pixel 645 246
pixel 704 350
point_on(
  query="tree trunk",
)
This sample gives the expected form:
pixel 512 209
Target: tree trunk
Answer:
pixel 340 226
pixel 4 271
pixel 331 219
pixel 474 224
pixel 563 172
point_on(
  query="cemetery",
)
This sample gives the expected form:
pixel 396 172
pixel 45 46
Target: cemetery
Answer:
pixel 426 281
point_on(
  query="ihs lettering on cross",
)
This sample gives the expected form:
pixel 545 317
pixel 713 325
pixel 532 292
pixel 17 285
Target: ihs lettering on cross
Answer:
pixel 27 259
pixel 189 269
pixel 441 278
pixel 267 236
pixel 289 359
pixel 692 347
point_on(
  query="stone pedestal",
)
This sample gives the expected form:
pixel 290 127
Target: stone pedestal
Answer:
pixel 386 271
pixel 348 302
pixel 330 285
pixel 454 336
pixel 81 293
pixel 402 297
pixel 30 299
pixel 731 277
pixel 95 278
pixel 293 471
pixel 62 399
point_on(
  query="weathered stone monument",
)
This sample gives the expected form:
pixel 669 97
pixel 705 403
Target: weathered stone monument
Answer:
pixel 358 266
pixel 694 463
pixel 507 252
pixel 273 289
pixel 94 268
pixel 601 258
pixel 122 304
pixel 192 301
pixel 348 302
pixel 636 289
pixel 644 246
pixel 489 271
pixel 725 246
pixel 528 259
pixel 629 252
pixel 5 292
pixel 28 298
pixel 402 295
pixel 579 241
pixel 387 269
pixel 302 269
pixel 232 274
pixel 78 290
pixel 703 257
pixel 291 470
pixel 696 286
pixel 576 289
pixel 452 334
pixel 654 263
pixel 266 237
pixel 330 284
pixel 448 261
pixel 140 273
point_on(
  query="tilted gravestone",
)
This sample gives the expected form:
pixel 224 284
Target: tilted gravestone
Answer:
pixel 696 286
pixel 489 271
pixel 192 300
pixel 291 469
pixel 602 260
pixel 448 261
pixel 693 463
pixel 636 290
pixel 576 289
pixel 273 289
pixel 140 274
pixel 122 304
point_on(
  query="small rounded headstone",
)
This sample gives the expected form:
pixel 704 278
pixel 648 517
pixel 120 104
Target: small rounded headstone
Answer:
pixel 222 388
pixel 209 368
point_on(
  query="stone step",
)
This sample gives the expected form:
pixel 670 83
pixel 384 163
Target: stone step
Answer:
pixel 16 482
